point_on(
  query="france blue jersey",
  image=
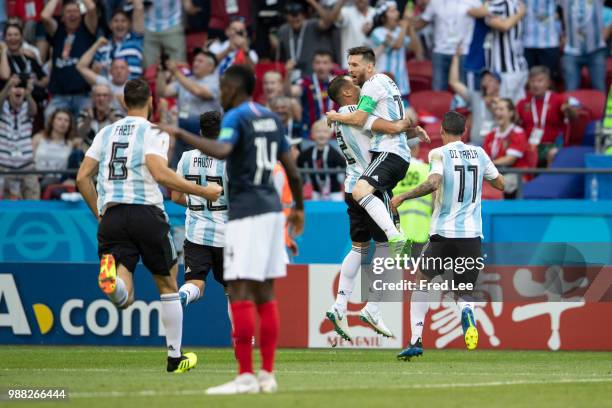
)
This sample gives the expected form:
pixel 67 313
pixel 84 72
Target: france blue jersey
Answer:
pixel 457 204
pixel 258 139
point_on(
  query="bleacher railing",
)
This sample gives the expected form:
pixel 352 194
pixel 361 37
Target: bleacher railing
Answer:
pixel 336 171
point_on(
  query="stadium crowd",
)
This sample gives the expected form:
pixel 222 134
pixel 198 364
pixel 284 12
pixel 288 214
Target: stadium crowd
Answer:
pixel 512 65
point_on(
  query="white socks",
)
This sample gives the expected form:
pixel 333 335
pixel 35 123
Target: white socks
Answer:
pixel 348 274
pixel 380 214
pixel 466 302
pixel 419 304
pixel 120 296
pixel 192 291
pixel 172 318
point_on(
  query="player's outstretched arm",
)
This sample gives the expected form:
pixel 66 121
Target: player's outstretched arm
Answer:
pixel 296 217
pixel 207 146
pixel 357 118
pixel 89 167
pixel 497 183
pixel 391 128
pixel 429 186
pixel 158 166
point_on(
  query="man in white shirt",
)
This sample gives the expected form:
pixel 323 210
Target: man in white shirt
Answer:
pixel 355 22
pixel 453 27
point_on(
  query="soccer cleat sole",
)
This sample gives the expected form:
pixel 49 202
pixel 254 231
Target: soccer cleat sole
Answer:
pixel 337 328
pixel 107 279
pixel 377 330
pixel 471 338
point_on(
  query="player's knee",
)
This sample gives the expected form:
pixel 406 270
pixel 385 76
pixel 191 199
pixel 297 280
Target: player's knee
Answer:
pixel 360 244
pixel 361 189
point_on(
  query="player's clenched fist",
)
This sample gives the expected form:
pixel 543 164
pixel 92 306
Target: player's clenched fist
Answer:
pixel 212 191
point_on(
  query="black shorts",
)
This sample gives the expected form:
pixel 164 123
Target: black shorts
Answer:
pixel 362 227
pixel 440 253
pixel 200 259
pixel 130 232
pixel 385 171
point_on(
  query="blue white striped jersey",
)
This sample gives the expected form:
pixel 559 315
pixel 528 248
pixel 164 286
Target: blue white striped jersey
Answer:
pixel 123 176
pixel 392 60
pixel 583 25
pixel 205 221
pixel 457 212
pixel 163 15
pixel 381 98
pixel 355 146
pixel 130 49
pixel 540 24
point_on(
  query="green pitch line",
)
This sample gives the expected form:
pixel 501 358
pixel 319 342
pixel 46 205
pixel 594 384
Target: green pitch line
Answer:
pixel 136 377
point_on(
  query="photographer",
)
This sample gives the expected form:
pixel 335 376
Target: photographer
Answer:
pixel 17 111
pixel 234 50
pixel 198 92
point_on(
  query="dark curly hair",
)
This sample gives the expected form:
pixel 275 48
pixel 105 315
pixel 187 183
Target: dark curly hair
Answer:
pixel 210 124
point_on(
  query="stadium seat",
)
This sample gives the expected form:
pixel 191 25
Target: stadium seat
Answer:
pixel 555 186
pixel 419 83
pixel 193 41
pixel 420 69
pixel 435 102
pixel 54 191
pixel 591 99
pixel 575 128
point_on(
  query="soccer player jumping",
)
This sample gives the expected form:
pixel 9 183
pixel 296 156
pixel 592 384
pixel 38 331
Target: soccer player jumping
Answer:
pixel 130 158
pixel 456 175
pixel 252 140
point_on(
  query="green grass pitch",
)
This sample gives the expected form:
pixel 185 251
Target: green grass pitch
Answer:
pixel 135 377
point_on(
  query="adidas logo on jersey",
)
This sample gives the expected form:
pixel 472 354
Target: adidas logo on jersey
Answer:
pixel 375 177
pixel 187 269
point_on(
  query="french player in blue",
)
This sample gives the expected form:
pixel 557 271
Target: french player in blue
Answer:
pixel 456 174
pixel 252 140
pixel 130 158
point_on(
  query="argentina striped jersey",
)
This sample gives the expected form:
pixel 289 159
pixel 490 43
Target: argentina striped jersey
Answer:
pixel 355 146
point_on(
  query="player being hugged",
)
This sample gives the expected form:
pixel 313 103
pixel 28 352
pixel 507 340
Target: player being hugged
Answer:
pixel 380 98
pixel 131 158
pixel 456 175
pixel 252 140
pixel 355 145
pixel 205 219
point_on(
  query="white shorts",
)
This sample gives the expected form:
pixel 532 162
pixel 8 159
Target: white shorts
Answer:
pixel 513 85
pixel 255 248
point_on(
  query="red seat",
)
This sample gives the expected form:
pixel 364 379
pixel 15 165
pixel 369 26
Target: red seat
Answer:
pixel 420 68
pixel 591 99
pixel 193 41
pixel 435 102
pixel 260 71
pixel 574 131
pixel 53 191
pixel 419 83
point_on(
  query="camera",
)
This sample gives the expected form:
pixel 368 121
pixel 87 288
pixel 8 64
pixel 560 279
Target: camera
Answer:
pixel 23 80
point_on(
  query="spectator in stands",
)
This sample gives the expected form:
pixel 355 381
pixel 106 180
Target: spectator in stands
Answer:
pixel 222 13
pixel 312 89
pixel 355 22
pixel 507 144
pixel 585 45
pixel 274 87
pixel 282 106
pixel 453 27
pixel 542 114
pixel 300 37
pixel 3 16
pixel 164 29
pixel 480 103
pixel 53 146
pixel 125 42
pixel 197 93
pixel 322 156
pixel 236 49
pixel 391 40
pixel 505 47
pixel 540 37
pixel 118 75
pixel 474 61
pixel 70 39
pixel 20 60
pixel 17 111
pixel 92 119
